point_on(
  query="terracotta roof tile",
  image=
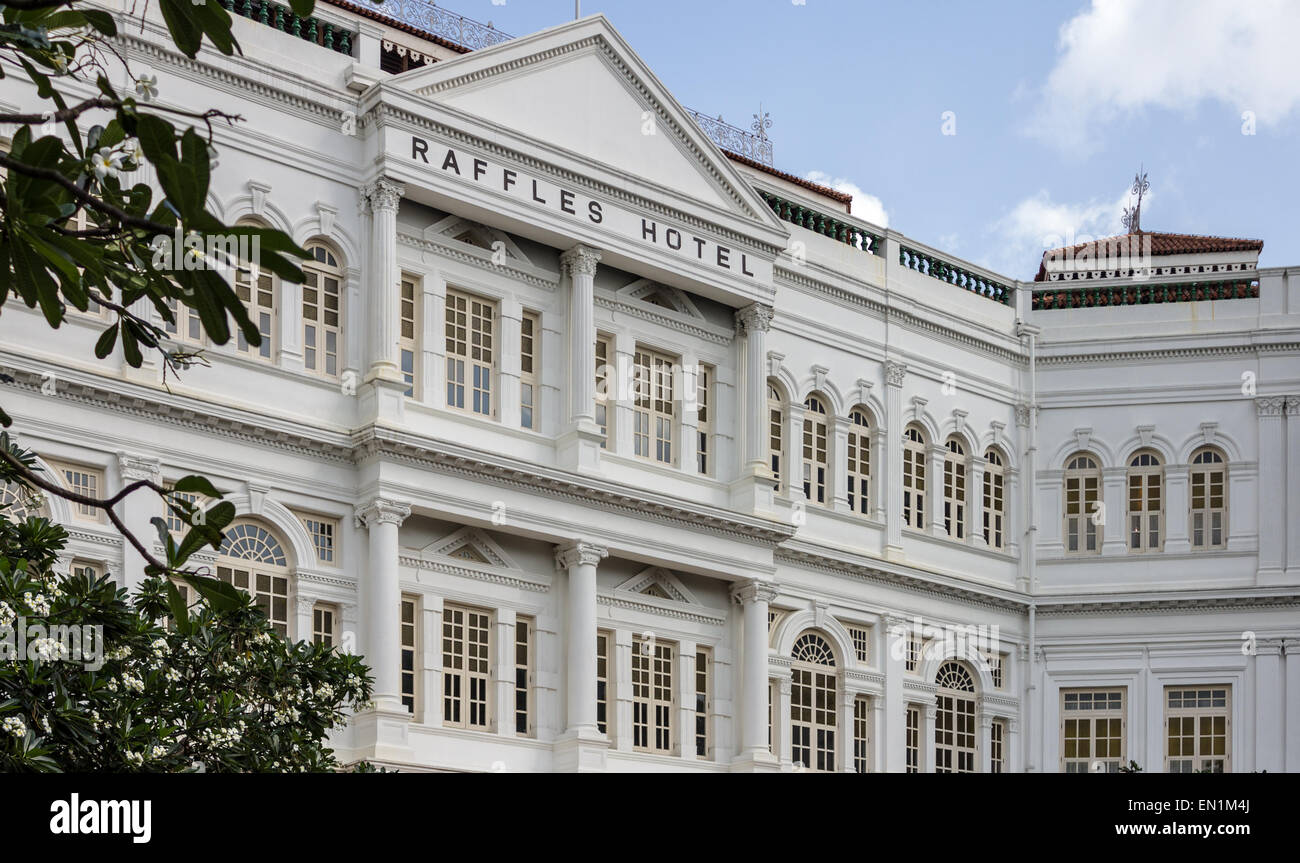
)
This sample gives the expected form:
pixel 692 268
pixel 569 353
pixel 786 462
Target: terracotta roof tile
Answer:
pixel 842 197
pixel 1161 244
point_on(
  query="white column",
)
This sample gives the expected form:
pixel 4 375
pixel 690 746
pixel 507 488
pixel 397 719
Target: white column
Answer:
pixel 926 738
pixel 1272 488
pixel 136 511
pixel 290 325
pixel 618 715
pixel 895 702
pixel 431 662
pixel 984 745
pixel 382 599
pixel 837 492
pixel 503 664
pixel 579 264
pixel 580 560
pixel 782 749
pixel 792 458
pixel 619 399
pixel 383 283
pixel 686 700
pixel 1270 684
pixel 934 458
pixel 508 351
pixel 1114 538
pixel 688 443
pixel 754 597
pixel 975 501
pixel 754 322
pixel 892 495
pixel 844 729
pixel 1177 509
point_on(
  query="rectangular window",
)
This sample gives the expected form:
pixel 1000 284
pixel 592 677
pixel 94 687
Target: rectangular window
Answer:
pixel 320 321
pixel 1209 509
pixel 323 532
pixel 271 592
pixel 861 738
pixel 993 503
pixel 954 497
pixel 83 569
pixel 177 522
pixel 702 675
pixel 913 739
pixel 1198 729
pixel 652 695
pixel 410 641
pixel 185 326
pixel 470 353
pixel 602 681
pixel 530 334
pixel 1092 729
pixel 997 746
pixel 861 641
pixel 322 624
pixel 604 398
pixel 466 648
pixel 523 674
pixel 996 663
pixel 652 433
pixel 859 464
pixel 409 342
pixel 912 658
pixel 775 434
pixel 258 297
pixel 703 421
pixel 84 481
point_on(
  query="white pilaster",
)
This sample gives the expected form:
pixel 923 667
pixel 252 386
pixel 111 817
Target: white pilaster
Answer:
pixel 1114 482
pixel 581 747
pixel 136 511
pixel 383 281
pixel 895 373
pixel 754 597
pixel 508 351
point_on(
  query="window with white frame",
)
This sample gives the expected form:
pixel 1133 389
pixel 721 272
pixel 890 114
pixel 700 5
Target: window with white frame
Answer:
pixel 703 418
pixel 913 478
pixel 813 685
pixel 322 310
pixel 954 720
pixel 997 746
pixel 995 477
pixel 653 417
pixel 323 617
pixel 1082 505
pixel 996 663
pixel 466 652
pixel 523 675
pixel 814 449
pixel 85 481
pixel 185 325
pixel 602 681
pixel 912 654
pixel 324 533
pixel 86 569
pixel 703 657
pixel 178 522
pixel 604 398
pixel 1146 482
pixel 410 651
pixel 861 636
pixel 409 331
pixel 652 695
pixel 252 559
pixel 859 453
pixel 954 490
pixel 775 432
pixel 1209 498
pixel 530 342
pixel 912 741
pixel 471 353
pixel 1092 729
pixel 256 290
pixel 1198 727
pixel 861 735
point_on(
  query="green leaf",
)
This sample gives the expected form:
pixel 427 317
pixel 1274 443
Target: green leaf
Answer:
pixel 221 596
pixel 107 339
pixel 180 613
pixel 198 484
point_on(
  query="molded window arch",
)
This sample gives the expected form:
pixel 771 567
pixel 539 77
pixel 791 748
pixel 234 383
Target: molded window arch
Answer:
pixel 1209 498
pixel 914 446
pixel 814 685
pixel 1082 504
pixel 814 462
pixel 1146 494
pixel 322 309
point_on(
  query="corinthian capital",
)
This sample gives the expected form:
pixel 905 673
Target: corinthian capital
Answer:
pixel 382 511
pixel 895 372
pixel 1270 406
pixel 579 553
pixel 384 195
pixel 745 592
pixel 579 261
pixel 755 318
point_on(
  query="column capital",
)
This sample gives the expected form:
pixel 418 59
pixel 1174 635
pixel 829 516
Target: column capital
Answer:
pixel 755 317
pixel 1271 406
pixel 754 590
pixel 986 720
pixel 138 467
pixel 579 261
pixel 1292 407
pixel 381 511
pixel 1023 413
pixel 579 553
pixel 895 373
pixel 383 194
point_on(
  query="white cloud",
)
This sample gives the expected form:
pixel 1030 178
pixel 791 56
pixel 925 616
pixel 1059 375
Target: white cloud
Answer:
pixel 864 206
pixel 1122 56
pixel 1038 223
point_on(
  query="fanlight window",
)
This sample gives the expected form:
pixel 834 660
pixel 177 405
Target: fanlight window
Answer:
pixel 253 560
pixel 254 543
pixel 18 504
pixel 813 648
pixel 321 310
pixel 813 696
pixel 954 720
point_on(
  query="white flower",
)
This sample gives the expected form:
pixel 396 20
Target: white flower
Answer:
pixel 7 614
pixel 132 150
pixel 44 722
pixel 159 647
pixel 39 605
pixel 135 758
pixel 146 87
pixel 14 725
pixel 105 163
pixel 47 649
pixel 324 691
pixel 131 682
pixel 158 751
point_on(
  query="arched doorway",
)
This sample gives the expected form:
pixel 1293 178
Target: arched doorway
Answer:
pixel 813 690
pixel 253 560
pixel 954 720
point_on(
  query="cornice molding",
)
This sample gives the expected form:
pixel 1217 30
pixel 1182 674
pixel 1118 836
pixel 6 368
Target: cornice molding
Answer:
pixel 678 611
pixel 1110 357
pixel 701 330
pixel 508 578
pixel 475 256
pixel 1174 601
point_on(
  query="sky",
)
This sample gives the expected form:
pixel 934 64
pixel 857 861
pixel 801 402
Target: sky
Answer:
pixel 994 130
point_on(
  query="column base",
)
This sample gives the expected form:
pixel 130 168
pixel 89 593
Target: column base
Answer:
pixel 754 493
pixel 380 734
pixel 581 750
pixel 756 762
pixel 579 448
pixel 894 552
pixel 383 400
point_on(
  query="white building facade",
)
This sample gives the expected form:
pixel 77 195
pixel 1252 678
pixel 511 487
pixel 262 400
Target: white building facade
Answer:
pixel 614 451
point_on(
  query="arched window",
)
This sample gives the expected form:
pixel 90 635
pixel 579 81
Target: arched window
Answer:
pixel 913 478
pixel 321 310
pixel 260 299
pixel 18 504
pixel 859 462
pixel 813 686
pixel 253 560
pixel 1209 481
pixel 954 720
pixel 1083 518
pixel 995 475
pixel 954 490
pixel 1146 483
pixel 814 449
pixel 775 431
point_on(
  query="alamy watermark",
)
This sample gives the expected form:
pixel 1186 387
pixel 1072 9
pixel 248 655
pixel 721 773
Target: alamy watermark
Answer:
pixel 52 642
pixel 195 251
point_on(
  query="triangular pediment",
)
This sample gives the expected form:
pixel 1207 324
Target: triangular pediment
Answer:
pixel 483 237
pixel 581 90
pixel 469 545
pixel 658 583
pixel 663 296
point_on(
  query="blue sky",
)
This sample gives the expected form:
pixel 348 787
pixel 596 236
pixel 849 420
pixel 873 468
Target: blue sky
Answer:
pixel 1056 105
